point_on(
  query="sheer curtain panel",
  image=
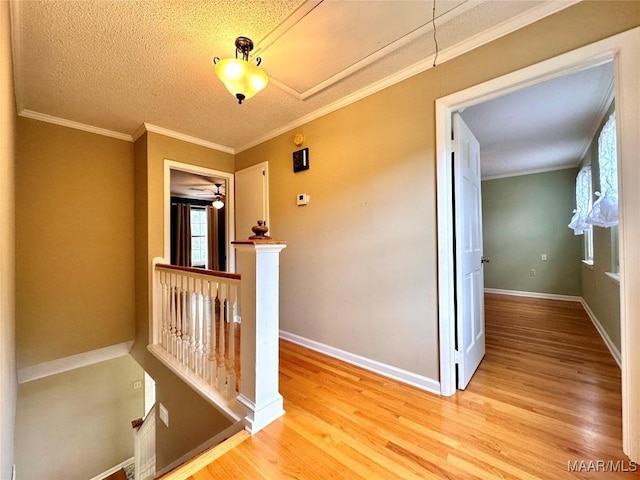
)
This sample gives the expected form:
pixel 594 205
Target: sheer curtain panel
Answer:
pixel 604 212
pixel 583 201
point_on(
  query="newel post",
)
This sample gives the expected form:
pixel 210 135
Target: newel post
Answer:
pixel 258 262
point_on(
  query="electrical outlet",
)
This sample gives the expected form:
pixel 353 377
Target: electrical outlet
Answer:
pixel 544 257
pixel 532 272
pixel 137 385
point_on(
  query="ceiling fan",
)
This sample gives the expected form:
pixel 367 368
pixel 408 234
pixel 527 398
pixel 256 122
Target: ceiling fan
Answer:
pixel 218 197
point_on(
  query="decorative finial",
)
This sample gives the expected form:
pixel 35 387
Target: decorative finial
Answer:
pixel 260 231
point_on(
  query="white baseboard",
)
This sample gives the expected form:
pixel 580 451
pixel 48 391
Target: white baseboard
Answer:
pixel 41 370
pixel 547 296
pixel 404 376
pixel 124 464
pixel 615 353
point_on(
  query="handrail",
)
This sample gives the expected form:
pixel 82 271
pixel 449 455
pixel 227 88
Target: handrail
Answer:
pixel 200 271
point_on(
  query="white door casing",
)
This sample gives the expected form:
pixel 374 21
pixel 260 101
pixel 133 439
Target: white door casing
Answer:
pixel 229 207
pixel 252 199
pixel 470 333
pixel 622 49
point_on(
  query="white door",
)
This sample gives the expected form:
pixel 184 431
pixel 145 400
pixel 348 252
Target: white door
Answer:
pixel 469 261
pixel 252 199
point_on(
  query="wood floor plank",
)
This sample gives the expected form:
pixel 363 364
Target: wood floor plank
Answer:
pixel 547 393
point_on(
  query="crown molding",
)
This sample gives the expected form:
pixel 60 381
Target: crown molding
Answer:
pixel 607 99
pixel 148 127
pixel 546 9
pixel 43 117
pixel 530 172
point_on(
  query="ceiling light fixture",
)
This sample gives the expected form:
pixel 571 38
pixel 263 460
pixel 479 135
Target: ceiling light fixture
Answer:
pixel 242 79
pixel 217 201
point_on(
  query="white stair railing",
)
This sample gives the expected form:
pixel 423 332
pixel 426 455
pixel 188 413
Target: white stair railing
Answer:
pixel 144 448
pixel 197 333
pixel 194 329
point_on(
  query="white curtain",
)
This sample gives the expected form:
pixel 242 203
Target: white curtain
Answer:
pixel 604 212
pixel 583 201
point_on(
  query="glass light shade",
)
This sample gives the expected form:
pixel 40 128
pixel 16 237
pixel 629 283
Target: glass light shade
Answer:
pixel 241 77
pixel 217 204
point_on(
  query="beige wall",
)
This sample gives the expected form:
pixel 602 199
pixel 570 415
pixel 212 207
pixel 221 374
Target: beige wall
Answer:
pixel 151 150
pixel 359 273
pixel 77 424
pixel 7 248
pixel 74 231
pixel 191 419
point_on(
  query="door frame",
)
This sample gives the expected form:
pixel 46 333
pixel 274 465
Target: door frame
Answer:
pixel 622 49
pixel 230 212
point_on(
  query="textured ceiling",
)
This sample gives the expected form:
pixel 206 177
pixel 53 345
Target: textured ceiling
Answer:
pixel 544 127
pixel 118 64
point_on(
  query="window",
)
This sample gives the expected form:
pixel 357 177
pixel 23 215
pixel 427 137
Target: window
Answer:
pixel 199 254
pixel 583 206
pixel 604 212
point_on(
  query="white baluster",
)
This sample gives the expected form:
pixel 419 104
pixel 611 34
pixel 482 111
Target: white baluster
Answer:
pixel 224 312
pixel 177 328
pixel 212 362
pixel 165 309
pixel 220 374
pixel 178 312
pixel 206 329
pixel 184 318
pixel 192 323
pixel 231 368
pixel 172 317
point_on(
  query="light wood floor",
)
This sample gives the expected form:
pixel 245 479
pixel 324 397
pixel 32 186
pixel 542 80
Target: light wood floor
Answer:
pixel 546 393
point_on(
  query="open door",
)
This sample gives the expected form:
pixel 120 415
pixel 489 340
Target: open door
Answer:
pixel 470 333
pixel 252 198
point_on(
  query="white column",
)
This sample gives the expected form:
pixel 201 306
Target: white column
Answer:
pixel 259 297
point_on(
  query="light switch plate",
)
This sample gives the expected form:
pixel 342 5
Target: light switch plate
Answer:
pixel 302 199
pixel 164 415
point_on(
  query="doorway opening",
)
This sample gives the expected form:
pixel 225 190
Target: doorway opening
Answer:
pixel 198 217
pixel 619 50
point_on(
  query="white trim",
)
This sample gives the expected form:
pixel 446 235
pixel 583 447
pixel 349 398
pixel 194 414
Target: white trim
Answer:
pixel 230 209
pixel 229 407
pixel 615 277
pixel 588 263
pixel 615 353
pixel 531 16
pixel 41 370
pixel 389 371
pixel 530 172
pixel 411 37
pixel 148 127
pixel 511 25
pixel 113 470
pixel 622 49
pixel 546 296
pixel 43 117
